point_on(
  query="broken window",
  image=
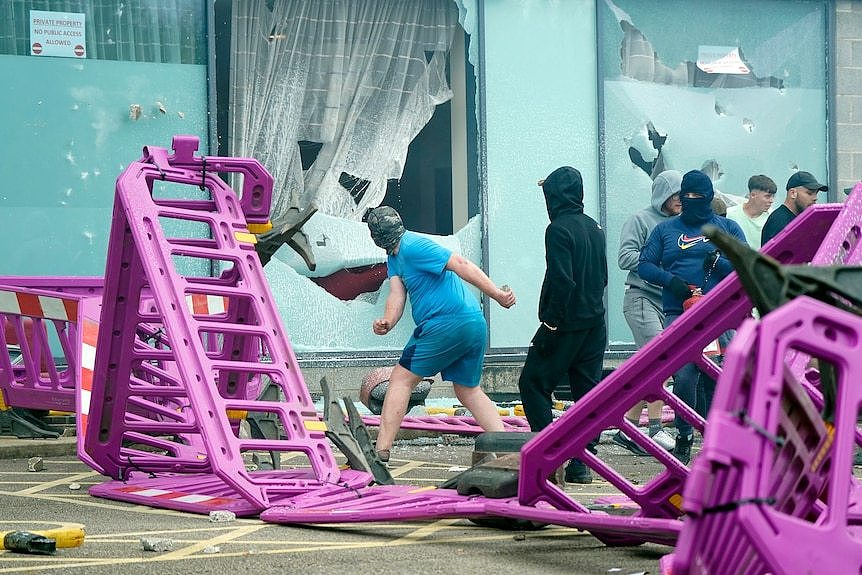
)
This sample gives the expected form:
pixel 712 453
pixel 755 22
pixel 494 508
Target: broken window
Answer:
pixel 734 89
pixel 348 106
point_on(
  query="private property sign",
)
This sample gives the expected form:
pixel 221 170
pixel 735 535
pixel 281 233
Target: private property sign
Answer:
pixel 57 34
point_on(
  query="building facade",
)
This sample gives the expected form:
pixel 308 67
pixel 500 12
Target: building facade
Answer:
pixel 449 110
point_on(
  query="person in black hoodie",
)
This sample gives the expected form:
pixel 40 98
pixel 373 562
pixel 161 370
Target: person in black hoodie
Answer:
pixel 572 335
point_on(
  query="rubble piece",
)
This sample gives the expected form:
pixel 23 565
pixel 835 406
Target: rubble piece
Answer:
pixel 222 516
pixel 74 486
pixel 211 550
pixel 157 545
pixel 35 464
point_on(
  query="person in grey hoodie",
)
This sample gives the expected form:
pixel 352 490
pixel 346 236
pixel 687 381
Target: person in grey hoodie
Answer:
pixel 642 305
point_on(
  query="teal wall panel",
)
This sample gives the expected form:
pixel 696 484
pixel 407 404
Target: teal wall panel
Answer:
pixel 68 133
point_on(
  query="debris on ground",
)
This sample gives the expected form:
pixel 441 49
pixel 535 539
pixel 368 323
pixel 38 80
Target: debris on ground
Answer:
pixel 27 542
pixel 157 545
pixel 35 464
pixel 222 516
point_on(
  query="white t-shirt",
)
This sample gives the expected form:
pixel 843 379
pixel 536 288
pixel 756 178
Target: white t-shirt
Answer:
pixel 751 227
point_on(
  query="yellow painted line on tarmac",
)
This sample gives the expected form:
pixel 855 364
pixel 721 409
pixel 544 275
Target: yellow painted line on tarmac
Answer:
pixel 150 532
pixel 214 541
pixel 424 532
pixel 94 502
pixel 402 469
pixel 459 539
pixel 57 482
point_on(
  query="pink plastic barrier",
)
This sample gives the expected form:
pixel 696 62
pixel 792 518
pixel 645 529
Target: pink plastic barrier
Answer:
pixel 772 491
pixel 641 377
pixel 42 328
pixel 171 379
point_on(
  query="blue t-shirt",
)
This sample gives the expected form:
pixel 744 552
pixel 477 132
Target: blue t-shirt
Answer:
pixel 434 291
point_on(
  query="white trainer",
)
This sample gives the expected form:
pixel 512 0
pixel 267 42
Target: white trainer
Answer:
pixel 664 439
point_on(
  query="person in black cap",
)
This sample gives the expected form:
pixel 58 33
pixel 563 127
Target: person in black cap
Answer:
pixel 802 189
pixel 570 342
pixel 450 332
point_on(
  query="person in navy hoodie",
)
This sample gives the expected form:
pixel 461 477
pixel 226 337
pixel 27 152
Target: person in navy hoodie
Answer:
pixel 678 257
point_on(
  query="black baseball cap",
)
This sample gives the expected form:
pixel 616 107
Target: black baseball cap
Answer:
pixel 807 180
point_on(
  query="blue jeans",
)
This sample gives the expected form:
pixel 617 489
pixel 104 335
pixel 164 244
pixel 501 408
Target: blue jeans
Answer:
pixel 684 387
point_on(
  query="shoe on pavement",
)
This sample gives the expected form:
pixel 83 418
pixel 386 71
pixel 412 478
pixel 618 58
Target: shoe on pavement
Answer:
pixel 664 439
pixel 682 449
pixel 578 472
pixel 623 440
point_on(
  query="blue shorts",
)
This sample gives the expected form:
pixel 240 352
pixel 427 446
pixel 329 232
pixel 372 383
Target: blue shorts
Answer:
pixel 454 347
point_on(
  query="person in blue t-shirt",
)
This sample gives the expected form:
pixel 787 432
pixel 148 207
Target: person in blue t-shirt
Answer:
pixel 678 257
pixel 450 333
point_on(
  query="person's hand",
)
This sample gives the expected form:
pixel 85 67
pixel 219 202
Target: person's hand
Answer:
pixel 381 326
pixel 709 260
pixel 505 297
pixel 546 339
pixel 679 288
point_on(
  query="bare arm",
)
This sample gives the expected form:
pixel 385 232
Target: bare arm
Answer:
pixel 394 307
pixel 470 273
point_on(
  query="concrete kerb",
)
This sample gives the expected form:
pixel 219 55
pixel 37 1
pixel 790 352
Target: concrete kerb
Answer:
pixel 14 448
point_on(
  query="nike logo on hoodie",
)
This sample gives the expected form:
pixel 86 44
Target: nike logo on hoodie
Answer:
pixel 685 241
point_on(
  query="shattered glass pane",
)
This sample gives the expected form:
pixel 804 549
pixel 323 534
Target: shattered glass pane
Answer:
pixel 761 111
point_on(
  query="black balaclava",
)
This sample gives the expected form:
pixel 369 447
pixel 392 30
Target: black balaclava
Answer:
pixel 386 227
pixel 696 211
pixel 564 192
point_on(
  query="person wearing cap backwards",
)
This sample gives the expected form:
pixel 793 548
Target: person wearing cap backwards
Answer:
pixel 678 257
pixel 802 189
pixel 570 342
pixel 450 332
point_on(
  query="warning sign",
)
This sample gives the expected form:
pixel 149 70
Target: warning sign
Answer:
pixel 720 60
pixel 57 34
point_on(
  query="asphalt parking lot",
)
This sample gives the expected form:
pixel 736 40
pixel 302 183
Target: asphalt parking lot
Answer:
pixel 46 499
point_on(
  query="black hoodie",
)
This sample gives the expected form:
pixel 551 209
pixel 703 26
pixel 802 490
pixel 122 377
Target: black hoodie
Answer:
pixel 573 290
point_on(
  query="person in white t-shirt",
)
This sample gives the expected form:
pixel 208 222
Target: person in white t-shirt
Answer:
pixel 752 214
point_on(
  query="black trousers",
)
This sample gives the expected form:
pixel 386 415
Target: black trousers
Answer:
pixel 576 356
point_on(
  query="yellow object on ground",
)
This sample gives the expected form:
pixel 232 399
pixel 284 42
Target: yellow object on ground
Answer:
pixel 444 410
pixel 67 535
pixel 519 410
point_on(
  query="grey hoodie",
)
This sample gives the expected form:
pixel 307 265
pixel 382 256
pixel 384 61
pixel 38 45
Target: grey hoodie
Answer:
pixel 637 228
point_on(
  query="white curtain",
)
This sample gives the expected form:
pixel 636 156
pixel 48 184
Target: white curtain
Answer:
pixel 360 77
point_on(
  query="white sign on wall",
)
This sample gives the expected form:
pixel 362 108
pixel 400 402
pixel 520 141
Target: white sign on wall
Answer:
pixel 57 34
pixel 720 60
